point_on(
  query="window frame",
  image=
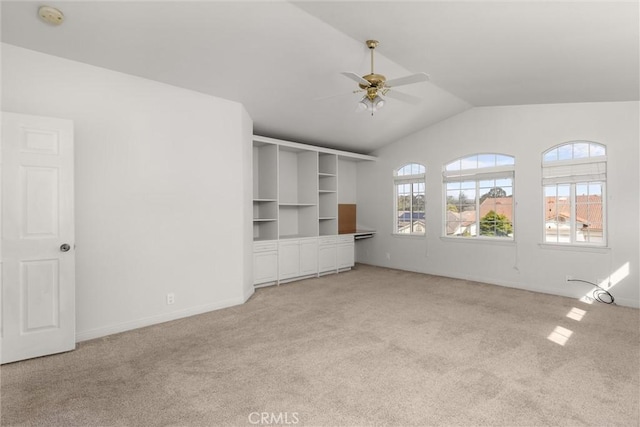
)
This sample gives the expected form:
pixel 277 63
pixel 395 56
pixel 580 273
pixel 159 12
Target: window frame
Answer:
pixel 399 179
pixel 594 168
pixel 476 175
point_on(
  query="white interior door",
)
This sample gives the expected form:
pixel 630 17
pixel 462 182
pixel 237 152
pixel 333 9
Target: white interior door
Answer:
pixel 38 262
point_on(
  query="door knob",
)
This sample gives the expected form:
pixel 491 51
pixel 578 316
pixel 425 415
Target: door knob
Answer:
pixel 64 247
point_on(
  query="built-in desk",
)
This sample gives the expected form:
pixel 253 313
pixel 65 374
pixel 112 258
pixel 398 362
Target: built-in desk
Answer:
pixel 363 234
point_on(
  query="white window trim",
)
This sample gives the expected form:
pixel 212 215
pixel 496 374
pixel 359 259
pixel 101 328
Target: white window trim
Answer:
pixel 572 181
pixel 477 175
pixel 407 179
pixel 501 241
pixel 572 224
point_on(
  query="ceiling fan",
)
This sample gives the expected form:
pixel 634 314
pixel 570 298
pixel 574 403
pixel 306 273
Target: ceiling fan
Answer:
pixel 377 86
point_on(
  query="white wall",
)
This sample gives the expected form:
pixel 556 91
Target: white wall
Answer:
pixel 524 132
pixel 162 178
pixel 347 172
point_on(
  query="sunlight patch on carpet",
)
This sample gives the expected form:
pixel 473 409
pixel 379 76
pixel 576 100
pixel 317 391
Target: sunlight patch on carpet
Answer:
pixel 560 335
pixel 576 314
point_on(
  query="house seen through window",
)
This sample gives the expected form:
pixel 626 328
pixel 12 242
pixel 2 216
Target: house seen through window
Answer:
pixel 574 178
pixel 409 188
pixel 479 197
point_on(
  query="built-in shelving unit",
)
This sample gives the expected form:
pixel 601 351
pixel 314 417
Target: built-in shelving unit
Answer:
pixel 327 194
pixel 298 187
pixel 295 211
pixel 265 191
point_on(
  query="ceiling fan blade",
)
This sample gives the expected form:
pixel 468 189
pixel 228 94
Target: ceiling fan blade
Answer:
pixel 407 80
pixel 404 97
pixel 356 78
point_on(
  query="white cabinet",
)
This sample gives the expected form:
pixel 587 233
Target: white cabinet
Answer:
pixel 265 262
pixel 327 252
pixel 289 258
pixel 298 258
pixel 345 251
pixel 308 257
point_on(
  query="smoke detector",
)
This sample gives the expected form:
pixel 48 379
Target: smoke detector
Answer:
pixel 50 15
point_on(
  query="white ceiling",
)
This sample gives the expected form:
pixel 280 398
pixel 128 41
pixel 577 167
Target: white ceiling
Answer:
pixel 281 58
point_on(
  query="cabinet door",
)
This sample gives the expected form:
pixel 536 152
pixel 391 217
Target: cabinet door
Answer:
pixel 327 258
pixel 346 257
pixel 265 267
pixel 308 257
pixel 289 257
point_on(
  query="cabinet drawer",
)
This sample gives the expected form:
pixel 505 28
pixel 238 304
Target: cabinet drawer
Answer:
pixel 327 240
pixel 265 246
pixel 345 238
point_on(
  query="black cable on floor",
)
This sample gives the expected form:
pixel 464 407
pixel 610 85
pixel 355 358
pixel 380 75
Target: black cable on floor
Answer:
pixel 597 293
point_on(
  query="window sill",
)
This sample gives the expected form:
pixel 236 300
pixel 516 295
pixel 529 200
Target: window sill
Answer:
pixel 575 248
pixel 479 240
pixel 409 236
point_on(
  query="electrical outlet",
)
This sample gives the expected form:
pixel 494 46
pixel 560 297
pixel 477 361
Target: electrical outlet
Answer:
pixel 568 278
pixel 388 255
pixel 171 298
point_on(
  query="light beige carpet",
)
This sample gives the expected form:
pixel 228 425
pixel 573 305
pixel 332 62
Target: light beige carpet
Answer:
pixel 369 347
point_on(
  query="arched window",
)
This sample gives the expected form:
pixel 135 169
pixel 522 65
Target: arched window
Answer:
pixel 409 205
pixel 574 176
pixel 479 197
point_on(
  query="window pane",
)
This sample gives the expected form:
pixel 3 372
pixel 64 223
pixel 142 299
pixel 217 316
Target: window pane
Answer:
pixel 453 201
pixel 551 155
pixel 565 152
pixel 505 182
pixel 453 186
pixel 403 203
pixel 550 190
pixel 564 190
pixel 467 200
pixel 582 189
pixel 596 150
pixel 496 217
pixel 411 169
pixel 468 185
pixel 580 150
pixel 486 160
pixel 418 219
pixel 588 213
pixel 558 214
pixel 502 160
pixel 470 162
pixel 453 228
pixel 453 166
pixel 595 188
pixel 489 183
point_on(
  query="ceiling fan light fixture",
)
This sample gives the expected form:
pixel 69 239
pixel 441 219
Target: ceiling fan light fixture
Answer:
pixel 368 104
pixel 362 105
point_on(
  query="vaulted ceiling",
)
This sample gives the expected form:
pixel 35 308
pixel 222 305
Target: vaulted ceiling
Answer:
pixel 282 60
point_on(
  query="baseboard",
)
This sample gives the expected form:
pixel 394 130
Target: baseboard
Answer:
pixel 154 320
pixel 627 302
pixel 555 291
pixel 248 293
pixel 517 285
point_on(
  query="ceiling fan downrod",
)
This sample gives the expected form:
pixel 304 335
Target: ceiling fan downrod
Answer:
pixel 372 44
